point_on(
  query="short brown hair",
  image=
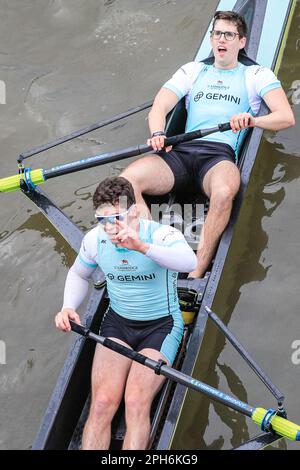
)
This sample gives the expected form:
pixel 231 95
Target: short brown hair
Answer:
pixel 235 18
pixel 112 190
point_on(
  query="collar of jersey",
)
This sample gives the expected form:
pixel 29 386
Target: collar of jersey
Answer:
pixel 227 71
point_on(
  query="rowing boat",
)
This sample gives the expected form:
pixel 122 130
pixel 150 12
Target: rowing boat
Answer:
pixel 62 424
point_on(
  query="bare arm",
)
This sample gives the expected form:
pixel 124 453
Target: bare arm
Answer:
pixel 164 102
pixel 76 288
pixel 281 115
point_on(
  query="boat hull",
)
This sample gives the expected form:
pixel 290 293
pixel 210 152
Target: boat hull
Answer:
pixel 65 416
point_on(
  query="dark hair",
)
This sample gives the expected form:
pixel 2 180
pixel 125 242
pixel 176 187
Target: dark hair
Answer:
pixel 111 190
pixel 235 18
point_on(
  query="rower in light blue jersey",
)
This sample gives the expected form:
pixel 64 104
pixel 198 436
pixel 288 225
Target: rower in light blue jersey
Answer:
pixel 215 95
pixel 228 86
pixel 140 286
pixel 141 260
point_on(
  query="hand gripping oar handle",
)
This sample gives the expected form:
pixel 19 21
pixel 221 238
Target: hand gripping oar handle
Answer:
pixel 178 139
pixel 266 419
pixel 198 134
pixel 31 178
pixel 129 152
pixel 108 343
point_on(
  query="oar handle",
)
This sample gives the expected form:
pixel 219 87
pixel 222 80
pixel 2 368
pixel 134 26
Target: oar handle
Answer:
pixel 135 151
pixel 113 345
pixel 79 329
pixel 173 140
pixel 178 139
pixel 32 178
pixel 260 416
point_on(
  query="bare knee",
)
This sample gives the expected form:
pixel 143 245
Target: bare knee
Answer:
pixel 132 175
pixel 150 175
pixel 136 405
pixel 138 174
pixel 103 406
pixel 222 198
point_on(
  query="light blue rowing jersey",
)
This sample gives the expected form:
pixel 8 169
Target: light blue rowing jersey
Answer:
pixel 214 95
pixel 138 288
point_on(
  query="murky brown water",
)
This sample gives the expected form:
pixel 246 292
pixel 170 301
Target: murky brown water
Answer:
pixel 258 295
pixel 66 64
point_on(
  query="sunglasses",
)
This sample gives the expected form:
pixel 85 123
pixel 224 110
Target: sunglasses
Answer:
pixel 104 219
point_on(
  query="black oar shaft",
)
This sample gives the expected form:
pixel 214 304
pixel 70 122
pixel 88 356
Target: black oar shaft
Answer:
pixel 128 152
pixel 96 160
pixel 29 178
pixel 167 371
pixel 211 392
pixel 85 130
pixel 246 356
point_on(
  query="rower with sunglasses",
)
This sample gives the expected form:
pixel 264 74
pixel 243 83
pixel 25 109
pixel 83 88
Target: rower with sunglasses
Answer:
pixel 141 260
pixel 227 86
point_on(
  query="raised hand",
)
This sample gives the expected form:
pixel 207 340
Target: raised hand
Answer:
pixel 128 238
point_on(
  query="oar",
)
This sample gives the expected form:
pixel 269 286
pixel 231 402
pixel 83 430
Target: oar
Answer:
pixel 30 178
pixel 246 356
pixel 85 130
pixel 267 419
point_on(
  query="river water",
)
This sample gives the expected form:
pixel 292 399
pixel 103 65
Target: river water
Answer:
pixel 258 296
pixel 66 64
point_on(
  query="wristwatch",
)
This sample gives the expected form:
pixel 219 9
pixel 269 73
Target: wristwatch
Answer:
pixel 158 133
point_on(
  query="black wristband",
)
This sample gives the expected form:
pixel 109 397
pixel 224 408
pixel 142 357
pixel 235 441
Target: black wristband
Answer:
pixel 158 133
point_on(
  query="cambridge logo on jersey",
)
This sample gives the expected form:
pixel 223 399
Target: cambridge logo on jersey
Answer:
pixel 125 266
pixel 219 85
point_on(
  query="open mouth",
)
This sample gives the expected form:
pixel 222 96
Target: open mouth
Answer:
pixel 222 49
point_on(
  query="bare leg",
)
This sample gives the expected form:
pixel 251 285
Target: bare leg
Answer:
pixel 142 386
pixel 150 175
pixel 107 391
pixel 221 183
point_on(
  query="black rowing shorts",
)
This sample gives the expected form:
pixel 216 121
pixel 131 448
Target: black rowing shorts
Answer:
pixel 191 161
pixel 163 335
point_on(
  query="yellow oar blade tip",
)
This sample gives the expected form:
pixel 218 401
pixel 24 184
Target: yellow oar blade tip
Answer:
pixel 281 426
pixel 12 183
